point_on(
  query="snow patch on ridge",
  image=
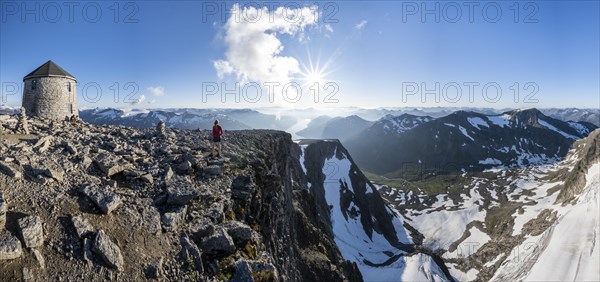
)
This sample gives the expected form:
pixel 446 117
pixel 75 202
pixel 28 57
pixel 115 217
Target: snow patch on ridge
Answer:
pixel 470 245
pixel 400 124
pixel 301 159
pixel 444 227
pixel 579 127
pixel 551 127
pixel 464 132
pixel 501 120
pixel 459 275
pixel 490 161
pixel 477 121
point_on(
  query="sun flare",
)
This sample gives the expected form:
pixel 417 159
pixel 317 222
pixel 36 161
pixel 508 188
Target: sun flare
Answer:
pixel 313 77
pixel 314 73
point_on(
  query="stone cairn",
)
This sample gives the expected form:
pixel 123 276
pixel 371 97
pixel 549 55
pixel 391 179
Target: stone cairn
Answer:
pixel 160 129
pixel 22 126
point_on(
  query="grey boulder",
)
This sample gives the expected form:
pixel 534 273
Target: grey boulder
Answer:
pixel 239 232
pixel 218 243
pixel 10 247
pixel 107 201
pixel 32 231
pixel 82 226
pixel 108 251
pixel 181 191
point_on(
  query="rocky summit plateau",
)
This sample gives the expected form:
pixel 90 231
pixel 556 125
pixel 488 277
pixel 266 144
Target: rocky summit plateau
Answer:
pixel 81 202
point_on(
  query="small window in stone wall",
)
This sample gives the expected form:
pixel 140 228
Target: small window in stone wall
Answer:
pixel 69 87
pixel 34 85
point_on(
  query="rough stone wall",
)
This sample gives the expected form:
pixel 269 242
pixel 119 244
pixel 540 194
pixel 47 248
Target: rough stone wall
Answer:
pixel 51 98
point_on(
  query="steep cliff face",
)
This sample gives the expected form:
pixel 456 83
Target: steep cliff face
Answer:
pixel 366 231
pixel 338 184
pixel 586 152
pixel 282 206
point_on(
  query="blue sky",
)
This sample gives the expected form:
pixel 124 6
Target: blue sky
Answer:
pixel 368 54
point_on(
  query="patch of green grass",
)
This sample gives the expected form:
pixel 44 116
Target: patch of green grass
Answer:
pixel 264 276
pixel 225 269
pixel 224 276
pixel 382 180
pixel 442 184
pixel 192 269
pixel 239 161
pixel 229 215
pixel 250 251
pixel 431 185
pixel 498 220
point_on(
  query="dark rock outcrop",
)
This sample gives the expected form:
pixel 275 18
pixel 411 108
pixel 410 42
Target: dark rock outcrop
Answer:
pixel 284 211
pixel 588 153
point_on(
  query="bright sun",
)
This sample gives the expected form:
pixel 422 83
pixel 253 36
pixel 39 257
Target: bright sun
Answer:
pixel 313 72
pixel 313 77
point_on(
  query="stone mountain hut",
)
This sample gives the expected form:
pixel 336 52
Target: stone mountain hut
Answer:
pixel 50 92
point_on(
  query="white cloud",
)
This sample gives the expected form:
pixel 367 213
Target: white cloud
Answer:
pixel 253 47
pixel 152 102
pixel 329 28
pixel 139 100
pixel 156 91
pixel 361 24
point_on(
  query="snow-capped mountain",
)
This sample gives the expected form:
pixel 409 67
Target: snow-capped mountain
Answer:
pixel 232 119
pixel 6 110
pixel 434 112
pixel 390 124
pixel 468 141
pixel 365 229
pixel 574 114
pixel 535 223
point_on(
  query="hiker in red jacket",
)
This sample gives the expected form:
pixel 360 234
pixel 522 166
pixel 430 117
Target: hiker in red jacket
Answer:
pixel 217 132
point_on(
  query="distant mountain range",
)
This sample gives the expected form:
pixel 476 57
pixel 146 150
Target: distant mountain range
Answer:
pixel 325 127
pixel 567 114
pixel 353 121
pixel 401 146
pixel 6 110
pixel 232 119
pixel 573 114
pixel 339 123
